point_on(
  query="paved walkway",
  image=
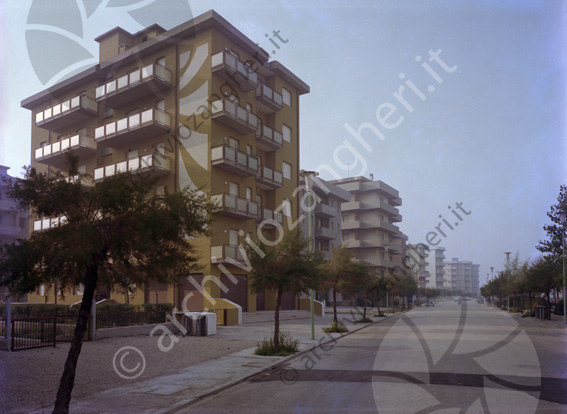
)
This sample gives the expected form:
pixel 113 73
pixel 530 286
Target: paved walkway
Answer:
pixel 169 390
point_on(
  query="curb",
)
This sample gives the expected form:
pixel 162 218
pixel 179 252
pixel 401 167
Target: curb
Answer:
pixel 172 409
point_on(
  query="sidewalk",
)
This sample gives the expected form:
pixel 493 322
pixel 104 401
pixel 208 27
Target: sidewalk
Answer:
pixel 178 388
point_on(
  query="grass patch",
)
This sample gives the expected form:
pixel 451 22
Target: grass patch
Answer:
pixel 364 320
pixel 380 315
pixel 336 328
pixel 288 346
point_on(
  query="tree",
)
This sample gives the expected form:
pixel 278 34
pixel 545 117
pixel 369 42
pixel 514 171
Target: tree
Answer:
pixel 555 231
pixel 544 274
pixel 339 274
pixel 117 227
pixel 285 266
pixel 405 284
pixel 360 282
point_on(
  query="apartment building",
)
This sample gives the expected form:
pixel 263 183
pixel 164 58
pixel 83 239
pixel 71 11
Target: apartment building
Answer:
pixel 14 223
pixel 325 220
pixel 368 219
pixel 418 261
pixel 436 268
pixel 198 106
pixel 464 276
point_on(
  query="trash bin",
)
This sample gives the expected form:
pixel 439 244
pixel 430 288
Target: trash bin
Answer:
pixel 543 312
pixel 200 324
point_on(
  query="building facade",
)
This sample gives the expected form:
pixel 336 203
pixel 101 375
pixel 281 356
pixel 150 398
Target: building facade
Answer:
pixel 199 106
pixel 418 260
pixel 14 223
pixel 436 268
pixel 368 219
pixel 464 276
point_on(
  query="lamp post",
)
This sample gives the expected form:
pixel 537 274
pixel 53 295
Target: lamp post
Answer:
pixel 562 219
pixel 491 272
pixel 508 279
pixel 309 175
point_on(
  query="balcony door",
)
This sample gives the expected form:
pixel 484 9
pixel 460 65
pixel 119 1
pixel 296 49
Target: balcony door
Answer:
pixel 233 237
pixel 233 189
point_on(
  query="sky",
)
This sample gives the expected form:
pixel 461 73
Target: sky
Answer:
pixel 451 102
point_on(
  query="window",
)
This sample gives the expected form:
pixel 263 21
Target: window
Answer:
pixel 286 131
pixel 79 289
pixel 233 189
pixel 286 208
pixel 249 149
pixel 22 223
pixel 233 142
pixel 248 193
pixel 286 170
pixel 41 290
pixel 286 95
pixel 249 107
pixel 233 237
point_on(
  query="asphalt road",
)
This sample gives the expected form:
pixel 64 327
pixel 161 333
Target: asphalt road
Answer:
pixel 445 359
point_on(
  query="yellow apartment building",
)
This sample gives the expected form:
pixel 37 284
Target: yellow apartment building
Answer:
pixel 198 106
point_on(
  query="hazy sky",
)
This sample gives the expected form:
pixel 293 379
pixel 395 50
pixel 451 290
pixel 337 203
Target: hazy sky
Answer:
pixel 480 119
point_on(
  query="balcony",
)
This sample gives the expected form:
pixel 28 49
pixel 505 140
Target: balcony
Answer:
pixel 12 231
pixel 370 205
pixel 150 165
pixel 268 100
pixel 268 179
pixel 235 116
pixel 151 79
pixel 325 233
pixel 226 253
pixel 325 210
pixel 236 207
pixel 234 161
pixel 137 126
pixel 72 111
pixel 231 69
pixel 267 218
pixel 48 223
pixel 268 139
pixel 54 154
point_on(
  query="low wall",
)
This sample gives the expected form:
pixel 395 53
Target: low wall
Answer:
pixel 124 331
pixel 319 307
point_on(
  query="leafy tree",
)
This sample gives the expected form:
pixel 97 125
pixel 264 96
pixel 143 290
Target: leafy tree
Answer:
pixel 555 231
pixel 117 227
pixel 405 284
pixel 544 274
pixel 360 282
pixel 286 266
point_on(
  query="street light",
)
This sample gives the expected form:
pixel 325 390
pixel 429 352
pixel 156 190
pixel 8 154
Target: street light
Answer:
pixel 508 278
pixel 309 175
pixel 491 272
pixel 562 219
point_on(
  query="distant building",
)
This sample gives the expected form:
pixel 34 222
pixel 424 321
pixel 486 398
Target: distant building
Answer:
pixel 417 260
pixel 325 219
pixel 368 219
pixel 464 276
pixel 436 268
pixel 14 224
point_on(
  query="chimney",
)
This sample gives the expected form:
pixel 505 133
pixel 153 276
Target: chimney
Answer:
pixel 371 177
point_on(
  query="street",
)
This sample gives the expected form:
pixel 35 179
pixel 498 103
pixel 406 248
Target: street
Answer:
pixel 450 358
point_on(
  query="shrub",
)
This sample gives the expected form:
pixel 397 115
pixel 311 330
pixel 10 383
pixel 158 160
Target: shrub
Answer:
pixel 528 313
pixel 288 346
pixel 380 315
pixel 336 328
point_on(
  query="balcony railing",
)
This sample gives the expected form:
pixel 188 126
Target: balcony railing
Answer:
pixel 68 112
pixel 48 223
pixel 268 139
pixel 230 68
pixel 236 207
pixel 150 163
pixel 268 179
pixel 12 231
pixel 235 116
pixel 220 254
pixel 325 210
pixel 325 233
pixel 268 100
pixel 152 78
pixel 141 125
pixel 269 218
pixel 54 154
pixel 234 161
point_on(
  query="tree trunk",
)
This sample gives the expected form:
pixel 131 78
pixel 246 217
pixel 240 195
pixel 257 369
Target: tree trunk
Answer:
pixel 68 377
pixel 335 321
pixel 277 318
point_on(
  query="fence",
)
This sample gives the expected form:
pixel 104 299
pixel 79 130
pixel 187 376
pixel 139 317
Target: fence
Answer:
pixel 114 320
pixel 3 327
pixel 32 333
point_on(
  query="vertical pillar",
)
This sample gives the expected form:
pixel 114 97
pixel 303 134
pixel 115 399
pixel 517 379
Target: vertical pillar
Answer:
pixel 8 327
